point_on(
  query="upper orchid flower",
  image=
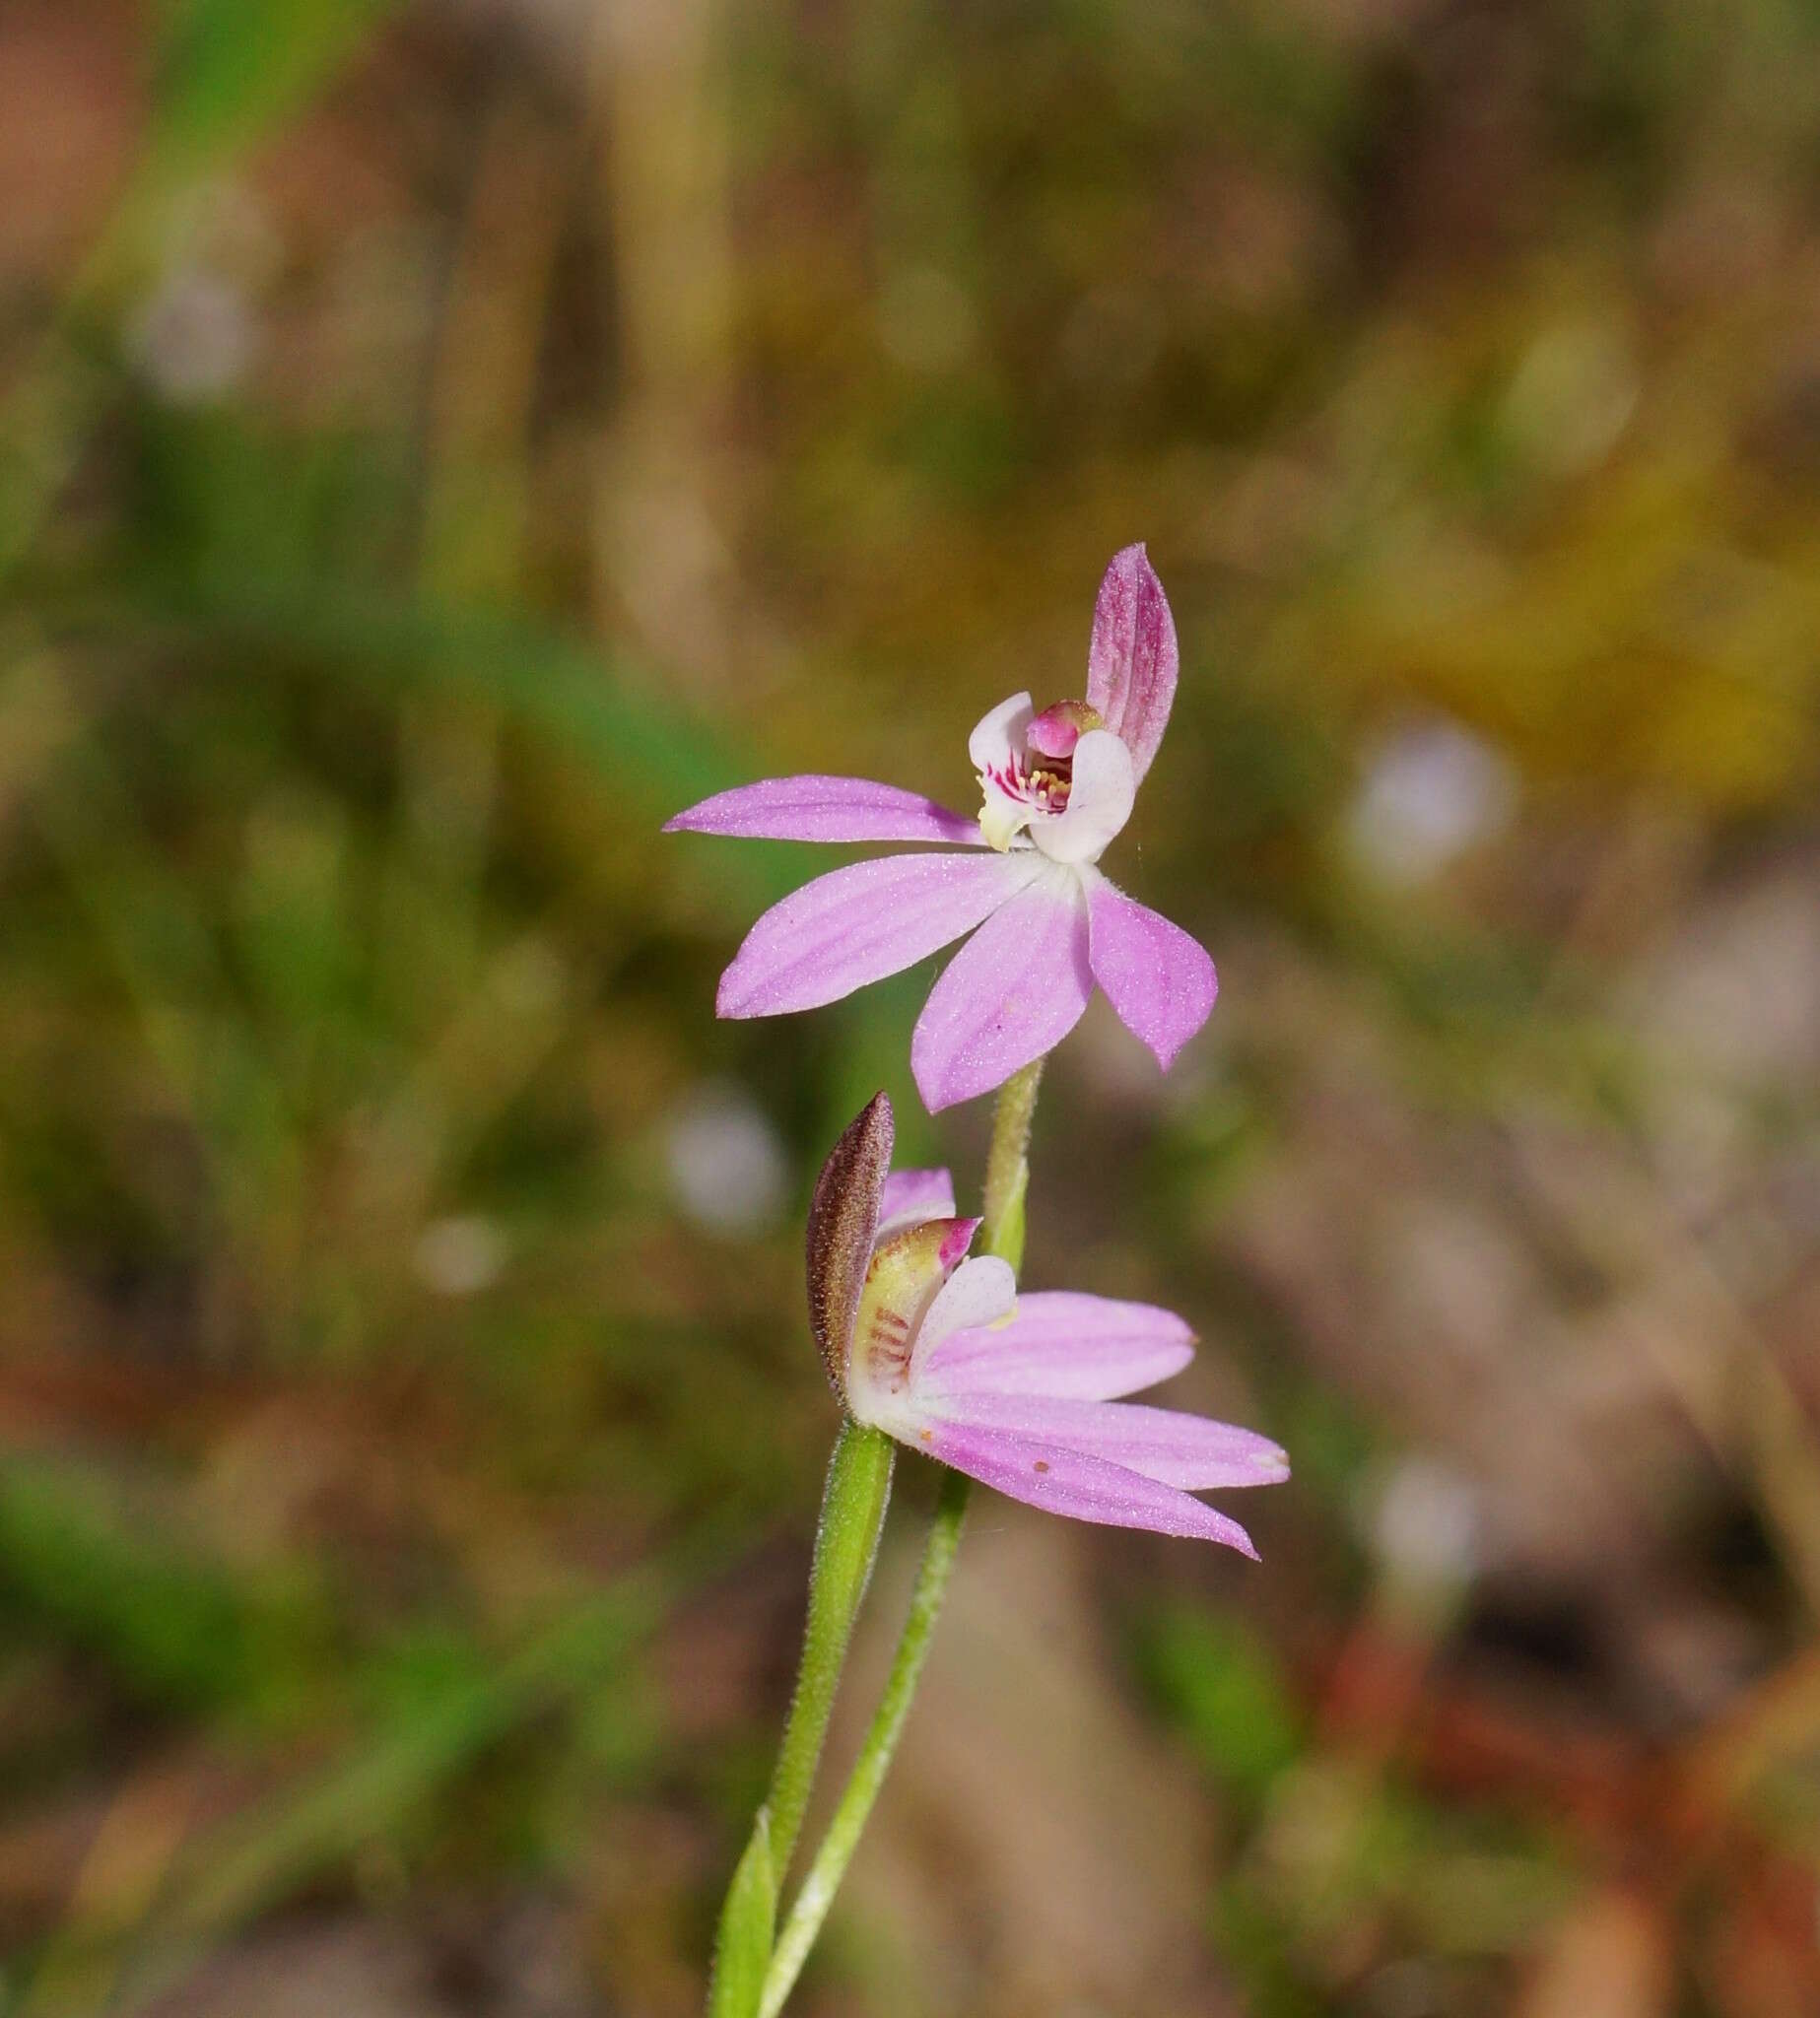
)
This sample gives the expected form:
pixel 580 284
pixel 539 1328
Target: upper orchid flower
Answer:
pixel 1057 786
pixel 1018 1392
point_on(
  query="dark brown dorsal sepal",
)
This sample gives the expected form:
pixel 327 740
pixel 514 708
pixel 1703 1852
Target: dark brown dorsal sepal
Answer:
pixel 842 1223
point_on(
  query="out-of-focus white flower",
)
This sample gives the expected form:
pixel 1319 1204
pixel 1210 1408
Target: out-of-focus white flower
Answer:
pixel 194 337
pixel 460 1255
pixel 1427 1528
pixel 1432 791
pixel 726 1166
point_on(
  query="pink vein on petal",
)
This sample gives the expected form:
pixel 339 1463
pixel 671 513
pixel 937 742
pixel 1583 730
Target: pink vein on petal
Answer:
pixel 1132 657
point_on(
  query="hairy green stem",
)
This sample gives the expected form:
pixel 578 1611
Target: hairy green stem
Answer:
pixel 846 1542
pixel 875 1754
pixel 1008 1179
pixel 853 1506
pixel 1007 1166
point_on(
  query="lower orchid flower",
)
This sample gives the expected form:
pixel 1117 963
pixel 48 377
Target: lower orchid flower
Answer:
pixel 936 1348
pixel 1056 785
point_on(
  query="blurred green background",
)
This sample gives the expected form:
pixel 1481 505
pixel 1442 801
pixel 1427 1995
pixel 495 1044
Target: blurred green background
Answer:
pixel 438 441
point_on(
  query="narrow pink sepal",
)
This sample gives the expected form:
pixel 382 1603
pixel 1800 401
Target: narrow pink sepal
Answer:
pixel 1061 1481
pixel 818 808
pixel 1159 981
pixel 1167 1444
pixel 1064 1343
pixel 911 1197
pixel 1012 992
pixel 863 923
pixel 1132 659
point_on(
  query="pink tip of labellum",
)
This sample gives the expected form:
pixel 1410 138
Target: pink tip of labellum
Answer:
pixel 958 1242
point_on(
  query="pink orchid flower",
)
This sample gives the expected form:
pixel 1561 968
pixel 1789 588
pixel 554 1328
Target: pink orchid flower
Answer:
pixel 1047 924
pixel 937 1349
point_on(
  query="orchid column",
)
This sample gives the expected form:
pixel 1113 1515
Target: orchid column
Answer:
pixel 925 1341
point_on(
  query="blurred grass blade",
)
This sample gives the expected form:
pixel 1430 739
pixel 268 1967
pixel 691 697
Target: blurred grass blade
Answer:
pixel 1219 1682
pixel 742 1947
pixel 256 1860
pixel 181 1627
pixel 655 753
pixel 650 746
pixel 233 70
pixel 229 73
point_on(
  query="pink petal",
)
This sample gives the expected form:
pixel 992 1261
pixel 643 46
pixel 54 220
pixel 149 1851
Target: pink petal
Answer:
pixel 1131 662
pixel 861 923
pixel 911 1197
pixel 1012 992
pixel 816 808
pixel 1159 979
pixel 1060 1481
pixel 1163 1444
pixel 1061 1343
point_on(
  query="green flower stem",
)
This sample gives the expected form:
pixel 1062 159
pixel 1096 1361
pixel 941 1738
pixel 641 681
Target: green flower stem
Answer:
pixel 742 1944
pixel 853 1506
pixel 869 1770
pixel 1008 1179
pixel 1007 1166
pixel 846 1542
